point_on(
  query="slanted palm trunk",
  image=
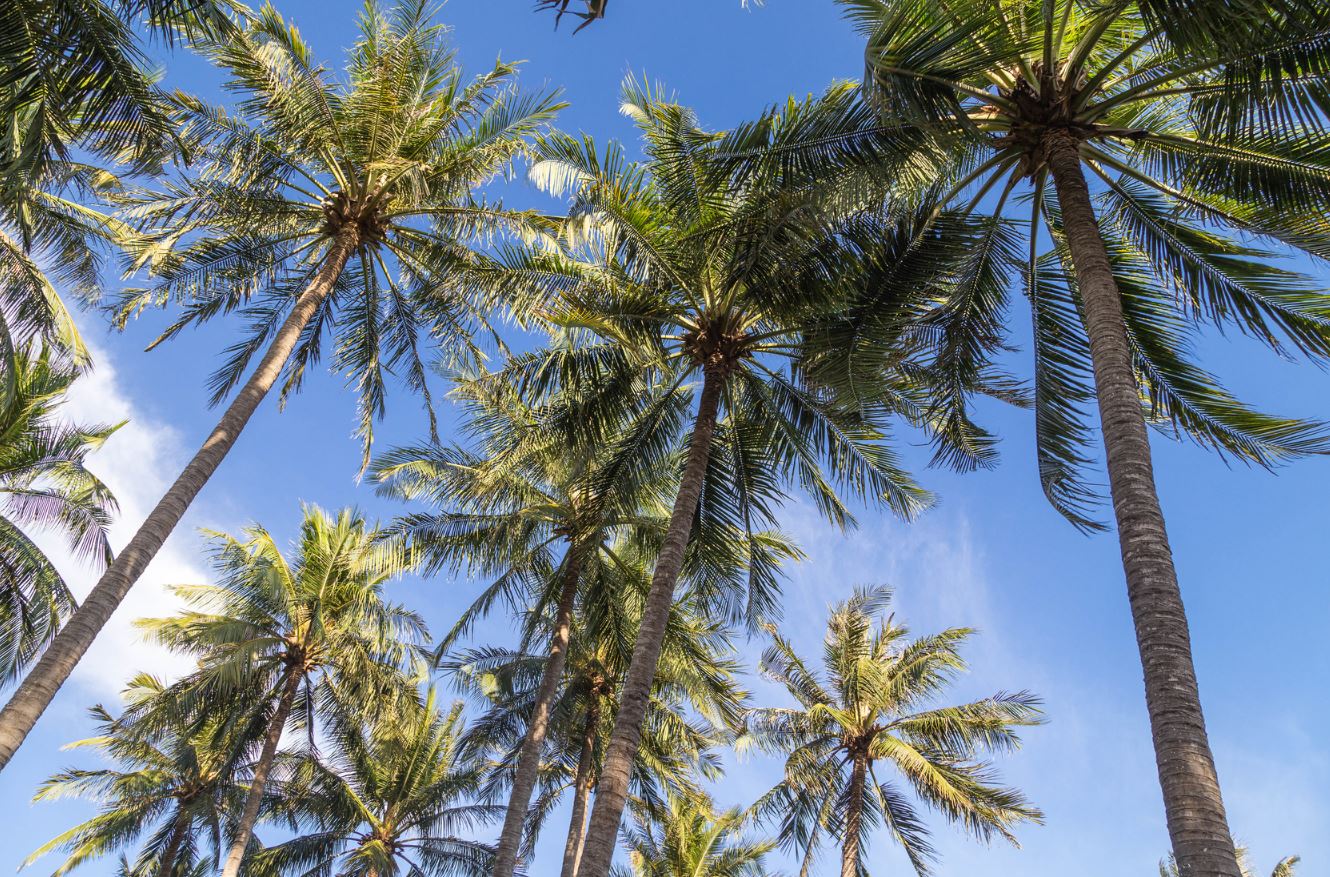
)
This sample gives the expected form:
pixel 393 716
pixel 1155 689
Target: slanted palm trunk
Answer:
pixel 1197 824
pixel 69 646
pixel 254 799
pixel 528 759
pixel 166 864
pixel 612 789
pixel 854 815
pixel 582 784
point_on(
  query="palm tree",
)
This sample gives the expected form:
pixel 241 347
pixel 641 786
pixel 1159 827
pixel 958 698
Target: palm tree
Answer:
pixel 686 277
pixel 875 705
pixel 1207 164
pixel 532 506
pixel 394 797
pixel 695 705
pixel 175 786
pixel 44 485
pixel 689 838
pixel 316 208
pixel 288 639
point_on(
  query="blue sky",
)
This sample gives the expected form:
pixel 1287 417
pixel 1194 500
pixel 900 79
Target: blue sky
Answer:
pixel 1050 603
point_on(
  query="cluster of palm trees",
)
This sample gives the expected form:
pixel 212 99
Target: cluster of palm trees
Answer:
pixel 739 317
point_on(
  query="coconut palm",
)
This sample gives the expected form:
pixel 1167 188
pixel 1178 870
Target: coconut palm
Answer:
pixel 532 506
pixel 702 286
pixel 875 704
pixel 45 486
pixel 394 796
pixel 1168 180
pixel 318 207
pixel 174 788
pixel 689 838
pixel 290 638
pixel 695 703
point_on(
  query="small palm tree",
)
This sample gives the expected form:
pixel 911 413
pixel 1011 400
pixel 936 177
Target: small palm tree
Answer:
pixel 393 797
pixel 278 640
pixel 874 706
pixel 176 787
pixel 1170 173
pixel 321 206
pixel 689 838
pixel 44 485
pixel 702 285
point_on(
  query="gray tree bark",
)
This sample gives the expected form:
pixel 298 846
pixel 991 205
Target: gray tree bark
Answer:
pixel 166 864
pixel 254 799
pixel 528 759
pixel 612 789
pixel 1197 824
pixel 38 688
pixel 849 859
pixel 582 785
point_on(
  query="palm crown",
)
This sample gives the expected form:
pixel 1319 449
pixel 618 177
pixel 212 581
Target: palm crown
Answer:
pixel 393 796
pixel 873 705
pixel 176 786
pixel 1209 164
pixel 689 838
pixel 379 170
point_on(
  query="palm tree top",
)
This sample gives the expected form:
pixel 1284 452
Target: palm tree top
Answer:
pixel 382 160
pixel 875 702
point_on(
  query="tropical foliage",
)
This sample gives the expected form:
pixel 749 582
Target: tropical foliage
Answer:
pixel 875 704
pixel 646 375
pixel 45 486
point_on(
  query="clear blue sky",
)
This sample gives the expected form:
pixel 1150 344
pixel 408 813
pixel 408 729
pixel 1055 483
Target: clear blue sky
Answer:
pixel 1051 603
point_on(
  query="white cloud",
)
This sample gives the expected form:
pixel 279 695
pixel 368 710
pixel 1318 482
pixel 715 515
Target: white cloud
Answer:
pixel 138 463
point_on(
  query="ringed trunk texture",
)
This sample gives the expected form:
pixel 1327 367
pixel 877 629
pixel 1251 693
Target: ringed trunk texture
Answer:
pixel 582 785
pixel 849 860
pixel 250 815
pixel 528 759
pixel 1197 824
pixel 167 863
pixel 32 697
pixel 612 789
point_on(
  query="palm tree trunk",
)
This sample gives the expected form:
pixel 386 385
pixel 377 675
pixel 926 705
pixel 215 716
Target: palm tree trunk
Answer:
pixel 178 831
pixel 586 778
pixel 1197 824
pixel 612 790
pixel 528 760
pixel 854 815
pixel 58 661
pixel 250 815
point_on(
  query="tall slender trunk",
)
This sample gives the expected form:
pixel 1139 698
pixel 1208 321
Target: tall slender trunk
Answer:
pixel 58 661
pixel 585 779
pixel 1194 807
pixel 250 815
pixel 528 759
pixel 854 815
pixel 612 789
pixel 178 831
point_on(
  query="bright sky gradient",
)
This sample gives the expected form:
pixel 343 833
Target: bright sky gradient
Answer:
pixel 1050 603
